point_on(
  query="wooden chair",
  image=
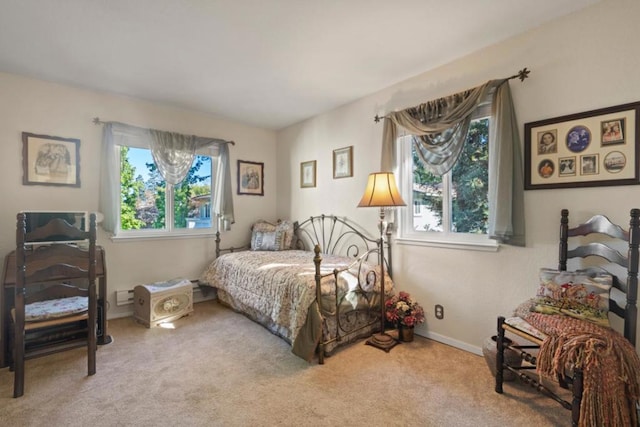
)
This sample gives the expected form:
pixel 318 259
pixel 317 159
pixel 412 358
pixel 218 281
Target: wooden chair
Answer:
pixel 50 316
pixel 605 251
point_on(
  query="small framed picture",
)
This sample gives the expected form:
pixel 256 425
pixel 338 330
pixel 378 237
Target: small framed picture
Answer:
pixel 308 174
pixel 343 162
pixel 547 142
pixel 615 161
pixel 613 131
pixel 567 166
pixel 50 160
pixel 250 178
pixel 589 165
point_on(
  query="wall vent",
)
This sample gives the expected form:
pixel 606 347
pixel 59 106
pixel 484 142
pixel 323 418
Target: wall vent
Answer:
pixel 124 297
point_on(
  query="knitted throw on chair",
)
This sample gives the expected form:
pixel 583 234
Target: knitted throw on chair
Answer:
pixel 610 364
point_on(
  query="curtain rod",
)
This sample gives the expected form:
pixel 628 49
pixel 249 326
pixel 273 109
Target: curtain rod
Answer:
pixel 522 74
pixel 97 121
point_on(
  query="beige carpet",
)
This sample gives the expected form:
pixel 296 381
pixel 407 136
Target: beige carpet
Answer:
pixel 217 368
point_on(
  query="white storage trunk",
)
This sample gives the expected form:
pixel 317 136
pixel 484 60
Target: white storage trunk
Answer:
pixel 161 302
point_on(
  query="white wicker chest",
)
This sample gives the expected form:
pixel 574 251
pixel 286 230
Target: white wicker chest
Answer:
pixel 161 302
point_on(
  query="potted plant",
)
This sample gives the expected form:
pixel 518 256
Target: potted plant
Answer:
pixel 405 313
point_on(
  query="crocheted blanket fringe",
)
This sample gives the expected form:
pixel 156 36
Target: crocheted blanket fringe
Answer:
pixel 610 364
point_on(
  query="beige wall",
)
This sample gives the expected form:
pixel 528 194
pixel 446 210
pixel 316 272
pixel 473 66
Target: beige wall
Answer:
pixel 50 109
pixel 586 61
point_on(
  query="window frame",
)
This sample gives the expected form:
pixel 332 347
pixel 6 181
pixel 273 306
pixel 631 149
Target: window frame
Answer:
pixel 169 231
pixel 446 238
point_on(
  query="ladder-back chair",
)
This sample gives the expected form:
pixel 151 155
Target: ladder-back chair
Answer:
pixel 55 305
pixel 595 239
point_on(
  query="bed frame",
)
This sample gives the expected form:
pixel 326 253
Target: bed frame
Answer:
pixel 332 235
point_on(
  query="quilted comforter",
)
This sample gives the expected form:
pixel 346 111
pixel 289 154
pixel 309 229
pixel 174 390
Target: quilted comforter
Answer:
pixel 278 289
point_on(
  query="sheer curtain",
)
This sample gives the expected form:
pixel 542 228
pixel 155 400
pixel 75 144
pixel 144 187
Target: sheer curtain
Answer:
pixel 440 128
pixel 173 154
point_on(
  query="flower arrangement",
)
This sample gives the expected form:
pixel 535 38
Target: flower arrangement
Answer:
pixel 402 310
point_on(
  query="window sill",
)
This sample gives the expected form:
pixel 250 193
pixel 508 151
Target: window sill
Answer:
pixel 122 238
pixel 485 246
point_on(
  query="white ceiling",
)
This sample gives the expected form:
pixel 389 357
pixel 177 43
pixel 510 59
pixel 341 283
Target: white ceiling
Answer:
pixel 269 63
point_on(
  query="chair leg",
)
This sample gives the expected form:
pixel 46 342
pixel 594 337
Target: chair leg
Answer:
pixel 577 396
pixel 91 356
pixel 18 365
pixel 500 356
pixel 92 342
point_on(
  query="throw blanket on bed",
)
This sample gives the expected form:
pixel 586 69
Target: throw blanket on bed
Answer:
pixel 610 364
pixel 281 284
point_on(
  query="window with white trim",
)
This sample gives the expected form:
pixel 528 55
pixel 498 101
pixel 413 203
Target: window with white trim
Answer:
pixel 151 207
pixel 449 210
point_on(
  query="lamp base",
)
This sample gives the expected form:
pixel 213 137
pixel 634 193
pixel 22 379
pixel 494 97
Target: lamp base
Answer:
pixel 382 341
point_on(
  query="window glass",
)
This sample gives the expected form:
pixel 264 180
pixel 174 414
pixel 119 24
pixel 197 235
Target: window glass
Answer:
pixel 470 182
pixel 149 203
pixel 192 197
pixel 453 207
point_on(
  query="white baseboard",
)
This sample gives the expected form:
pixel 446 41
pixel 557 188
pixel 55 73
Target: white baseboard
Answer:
pixel 197 297
pixel 453 343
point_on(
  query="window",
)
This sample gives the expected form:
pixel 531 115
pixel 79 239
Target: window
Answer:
pixel 151 207
pixel 453 209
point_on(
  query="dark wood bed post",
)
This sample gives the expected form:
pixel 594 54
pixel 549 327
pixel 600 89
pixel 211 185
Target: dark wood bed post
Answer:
pixel 631 310
pixel 317 259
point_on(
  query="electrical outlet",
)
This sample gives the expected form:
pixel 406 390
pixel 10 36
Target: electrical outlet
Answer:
pixel 439 311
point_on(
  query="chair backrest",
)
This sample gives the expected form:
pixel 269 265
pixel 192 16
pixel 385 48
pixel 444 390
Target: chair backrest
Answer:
pixel 601 226
pixel 53 263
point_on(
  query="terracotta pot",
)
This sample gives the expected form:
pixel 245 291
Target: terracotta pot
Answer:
pixel 405 333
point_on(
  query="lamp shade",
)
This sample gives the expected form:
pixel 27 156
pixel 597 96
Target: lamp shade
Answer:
pixel 381 191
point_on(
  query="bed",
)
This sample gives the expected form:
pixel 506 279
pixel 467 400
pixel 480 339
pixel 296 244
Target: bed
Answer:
pixel 315 283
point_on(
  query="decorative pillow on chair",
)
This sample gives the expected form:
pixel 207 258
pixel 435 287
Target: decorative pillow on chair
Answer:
pixel 55 308
pixel 574 293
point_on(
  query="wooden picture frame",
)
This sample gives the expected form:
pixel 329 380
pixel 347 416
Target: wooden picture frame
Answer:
pixel 343 162
pixel 50 160
pixel 590 149
pixel 308 174
pixel 250 178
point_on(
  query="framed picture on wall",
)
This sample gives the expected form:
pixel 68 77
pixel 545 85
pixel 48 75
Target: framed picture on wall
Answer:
pixel 50 160
pixel 343 162
pixel 250 178
pixel 308 174
pixel 590 149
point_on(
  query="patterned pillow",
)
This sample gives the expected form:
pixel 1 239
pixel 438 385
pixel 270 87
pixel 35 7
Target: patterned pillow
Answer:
pixel 262 225
pixel 266 236
pixel 286 227
pixel 574 293
pixel 267 240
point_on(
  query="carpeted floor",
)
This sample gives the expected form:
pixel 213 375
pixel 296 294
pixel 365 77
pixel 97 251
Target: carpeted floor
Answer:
pixel 217 368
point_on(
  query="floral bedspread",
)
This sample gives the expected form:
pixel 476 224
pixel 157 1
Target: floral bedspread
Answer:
pixel 280 285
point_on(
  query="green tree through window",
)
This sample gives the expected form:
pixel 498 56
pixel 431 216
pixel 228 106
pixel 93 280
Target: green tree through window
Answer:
pixel 144 200
pixel 130 189
pixel 467 184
